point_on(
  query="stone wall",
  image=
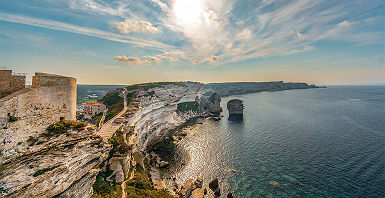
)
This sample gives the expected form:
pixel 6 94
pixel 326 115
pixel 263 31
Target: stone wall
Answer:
pixel 51 99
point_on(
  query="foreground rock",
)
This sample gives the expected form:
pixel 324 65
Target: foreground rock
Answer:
pixel 192 189
pixel 64 165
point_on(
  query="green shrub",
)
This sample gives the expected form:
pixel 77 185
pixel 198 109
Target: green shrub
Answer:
pixel 12 119
pixel 19 143
pixel 119 146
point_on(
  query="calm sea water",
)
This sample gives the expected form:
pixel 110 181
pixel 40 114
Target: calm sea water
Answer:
pixel 296 143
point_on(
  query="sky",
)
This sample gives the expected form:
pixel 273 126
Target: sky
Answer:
pixel 126 42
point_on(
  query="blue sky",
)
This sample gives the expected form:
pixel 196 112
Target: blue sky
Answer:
pixel 126 42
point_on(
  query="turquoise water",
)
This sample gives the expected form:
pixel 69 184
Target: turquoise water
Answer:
pixel 296 143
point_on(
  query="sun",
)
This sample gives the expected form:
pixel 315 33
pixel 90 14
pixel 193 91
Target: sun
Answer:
pixel 188 12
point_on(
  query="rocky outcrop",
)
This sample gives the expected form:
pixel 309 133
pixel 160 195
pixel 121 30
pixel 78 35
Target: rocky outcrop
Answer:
pixel 212 104
pixel 65 165
pixel 235 108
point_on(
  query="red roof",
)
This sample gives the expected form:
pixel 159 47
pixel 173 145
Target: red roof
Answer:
pixel 94 104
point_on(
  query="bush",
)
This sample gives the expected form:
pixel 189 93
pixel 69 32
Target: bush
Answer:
pixel 12 119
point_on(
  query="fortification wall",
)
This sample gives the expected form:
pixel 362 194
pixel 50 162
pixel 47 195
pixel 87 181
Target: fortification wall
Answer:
pixel 53 99
pixel 10 83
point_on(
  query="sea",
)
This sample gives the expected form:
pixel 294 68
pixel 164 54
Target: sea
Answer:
pixel 327 142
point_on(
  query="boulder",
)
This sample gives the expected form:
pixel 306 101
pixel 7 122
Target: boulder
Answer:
pixel 214 186
pixel 197 193
pixel 187 188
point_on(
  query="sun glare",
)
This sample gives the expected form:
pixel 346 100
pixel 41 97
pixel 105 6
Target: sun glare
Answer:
pixel 188 12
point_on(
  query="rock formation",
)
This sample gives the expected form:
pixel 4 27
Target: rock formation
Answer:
pixel 66 165
pixel 235 107
pixel 212 104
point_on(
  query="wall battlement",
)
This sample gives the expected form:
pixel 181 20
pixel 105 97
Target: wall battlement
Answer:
pixel 10 83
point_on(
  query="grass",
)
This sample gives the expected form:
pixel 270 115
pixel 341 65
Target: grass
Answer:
pixel 63 126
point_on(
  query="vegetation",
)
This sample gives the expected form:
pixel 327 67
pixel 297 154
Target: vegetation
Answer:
pixel 63 126
pixel 142 186
pixel 120 147
pixel 114 103
pixel 147 86
pixel 12 119
pixel 2 190
pixel 42 171
pixel 188 106
pixel 104 189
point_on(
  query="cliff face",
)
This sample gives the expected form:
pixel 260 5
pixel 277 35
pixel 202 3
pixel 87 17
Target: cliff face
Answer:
pixel 58 165
pixel 226 89
pixel 158 112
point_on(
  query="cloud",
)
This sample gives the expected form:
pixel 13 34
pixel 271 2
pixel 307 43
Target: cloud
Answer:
pixel 168 58
pixel 174 53
pixel 161 4
pixel 154 58
pixel 128 26
pixel 111 67
pixel 345 24
pixel 212 59
pixel 132 60
pixel 245 34
pixel 55 25
pixel 300 35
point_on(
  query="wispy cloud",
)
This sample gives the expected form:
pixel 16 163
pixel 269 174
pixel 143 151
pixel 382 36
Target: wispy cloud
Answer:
pixel 161 4
pixel 174 53
pixel 168 58
pixel 55 25
pixel 131 59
